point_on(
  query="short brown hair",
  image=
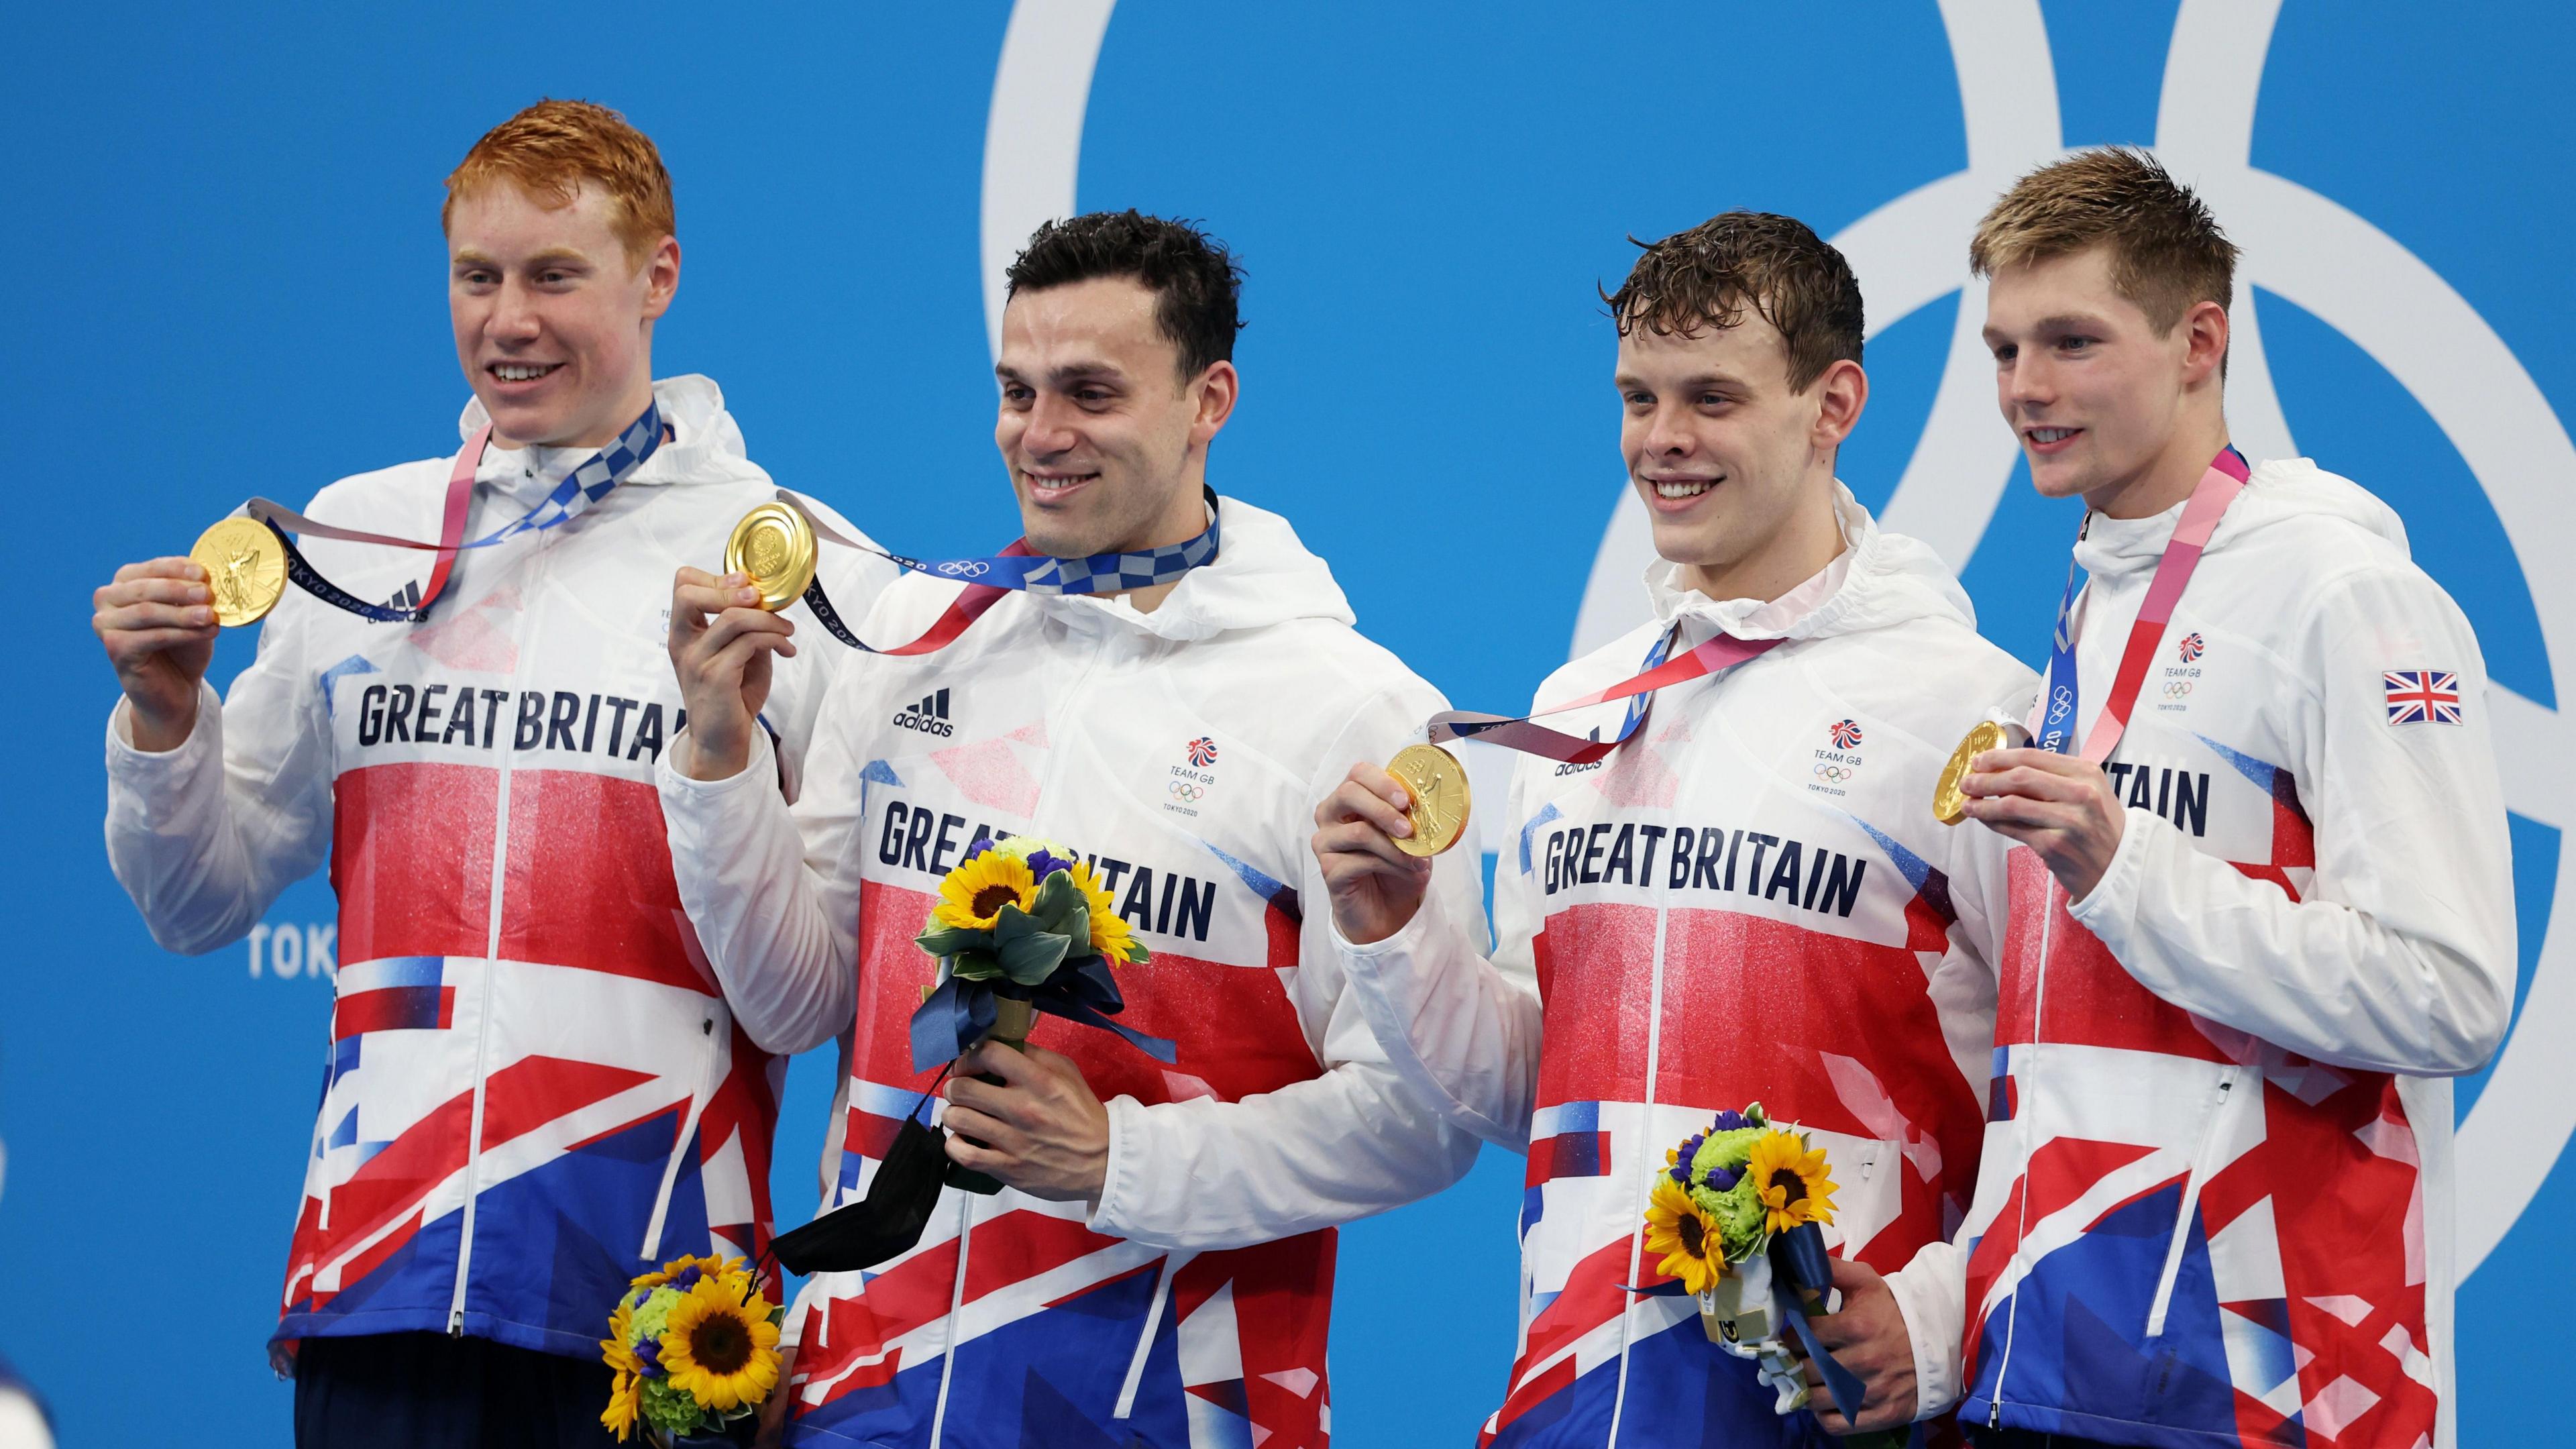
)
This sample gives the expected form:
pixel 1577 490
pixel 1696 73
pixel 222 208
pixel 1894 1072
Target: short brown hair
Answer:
pixel 554 147
pixel 1705 277
pixel 2167 253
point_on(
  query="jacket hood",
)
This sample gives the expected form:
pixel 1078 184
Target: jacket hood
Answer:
pixel 2279 492
pixel 706 444
pixel 1880 579
pixel 1262 574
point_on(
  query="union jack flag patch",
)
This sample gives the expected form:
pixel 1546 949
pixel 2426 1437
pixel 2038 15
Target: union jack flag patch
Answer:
pixel 2418 696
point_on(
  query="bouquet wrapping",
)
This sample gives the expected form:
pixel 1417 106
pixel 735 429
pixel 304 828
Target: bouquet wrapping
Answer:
pixel 1023 926
pixel 1735 1219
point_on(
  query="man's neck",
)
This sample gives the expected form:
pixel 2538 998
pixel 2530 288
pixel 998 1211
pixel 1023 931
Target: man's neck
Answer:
pixel 599 434
pixel 2176 471
pixel 1186 519
pixel 1801 549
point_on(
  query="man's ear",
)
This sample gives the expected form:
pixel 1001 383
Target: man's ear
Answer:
pixel 1216 390
pixel 1841 392
pixel 661 277
pixel 2205 334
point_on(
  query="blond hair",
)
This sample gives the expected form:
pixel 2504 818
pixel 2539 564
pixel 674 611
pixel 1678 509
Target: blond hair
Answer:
pixel 2167 253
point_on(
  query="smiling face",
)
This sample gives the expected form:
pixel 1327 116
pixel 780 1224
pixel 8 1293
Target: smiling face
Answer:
pixel 1106 443
pixel 1736 470
pixel 2103 404
pixel 553 318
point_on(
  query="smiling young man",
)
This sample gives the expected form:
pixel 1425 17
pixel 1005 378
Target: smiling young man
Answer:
pixel 533 1090
pixel 1159 1268
pixel 1747 900
pixel 2266 908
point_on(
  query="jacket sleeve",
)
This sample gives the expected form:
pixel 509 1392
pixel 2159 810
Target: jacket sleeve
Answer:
pixel 1460 1026
pixel 204 836
pixel 2400 956
pixel 1201 1175
pixel 773 893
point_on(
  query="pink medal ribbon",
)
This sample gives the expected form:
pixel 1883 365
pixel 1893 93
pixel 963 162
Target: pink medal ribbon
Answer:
pixel 1516 732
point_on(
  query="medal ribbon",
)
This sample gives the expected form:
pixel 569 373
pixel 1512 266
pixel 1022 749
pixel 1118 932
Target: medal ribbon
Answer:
pixel 1516 732
pixel 2218 487
pixel 1017 568
pixel 587 483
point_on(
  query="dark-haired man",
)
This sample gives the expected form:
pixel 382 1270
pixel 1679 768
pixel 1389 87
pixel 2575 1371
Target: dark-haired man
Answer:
pixel 1748 899
pixel 1159 1269
pixel 2269 900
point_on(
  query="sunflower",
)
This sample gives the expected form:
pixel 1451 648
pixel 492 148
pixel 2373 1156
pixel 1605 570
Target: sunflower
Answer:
pixel 1676 1228
pixel 720 1350
pixel 1790 1179
pixel 683 1270
pixel 623 1401
pixel 1110 934
pixel 971 897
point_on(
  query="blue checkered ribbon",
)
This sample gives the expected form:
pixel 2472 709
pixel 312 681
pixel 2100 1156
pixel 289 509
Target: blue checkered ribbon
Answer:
pixel 587 483
pixel 1101 573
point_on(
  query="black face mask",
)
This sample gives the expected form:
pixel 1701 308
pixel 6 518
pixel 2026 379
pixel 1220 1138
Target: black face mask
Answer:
pixel 886 1222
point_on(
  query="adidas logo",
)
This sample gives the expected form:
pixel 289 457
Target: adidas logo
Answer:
pixel 406 597
pixel 930 716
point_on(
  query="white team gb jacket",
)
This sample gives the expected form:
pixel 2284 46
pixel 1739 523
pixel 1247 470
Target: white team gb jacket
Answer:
pixel 532 1086
pixel 1182 751
pixel 1748 901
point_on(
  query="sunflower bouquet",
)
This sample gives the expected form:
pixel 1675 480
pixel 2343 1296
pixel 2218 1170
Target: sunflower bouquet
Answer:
pixel 1734 1217
pixel 694 1348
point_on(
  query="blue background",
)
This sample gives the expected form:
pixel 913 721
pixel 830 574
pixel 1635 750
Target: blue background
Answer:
pixel 227 278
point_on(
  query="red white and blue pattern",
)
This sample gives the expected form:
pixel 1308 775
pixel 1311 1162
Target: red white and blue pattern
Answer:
pixel 1846 734
pixel 1202 752
pixel 2251 1272
pixel 2191 648
pixel 2420 696
pixel 618 1119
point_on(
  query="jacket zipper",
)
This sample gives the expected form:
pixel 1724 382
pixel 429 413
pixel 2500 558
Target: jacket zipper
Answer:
pixel 703 1090
pixel 492 961
pixel 957 1290
pixel 1637 1232
pixel 2030 1098
pixel 2190 1201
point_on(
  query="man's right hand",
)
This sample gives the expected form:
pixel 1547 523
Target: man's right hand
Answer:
pixel 721 645
pixel 158 623
pixel 1375 887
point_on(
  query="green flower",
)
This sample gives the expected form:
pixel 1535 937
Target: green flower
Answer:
pixel 1739 1216
pixel 649 1320
pixel 668 1409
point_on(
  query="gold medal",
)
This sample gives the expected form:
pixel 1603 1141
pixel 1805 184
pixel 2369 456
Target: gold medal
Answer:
pixel 246 568
pixel 1949 804
pixel 1438 785
pixel 775 546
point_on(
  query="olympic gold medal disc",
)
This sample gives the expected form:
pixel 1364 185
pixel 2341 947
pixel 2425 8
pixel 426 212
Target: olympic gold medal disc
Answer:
pixel 245 566
pixel 775 546
pixel 1438 785
pixel 1949 804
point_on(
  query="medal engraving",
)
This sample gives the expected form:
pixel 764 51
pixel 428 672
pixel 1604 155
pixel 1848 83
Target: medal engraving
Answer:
pixel 1438 785
pixel 776 547
pixel 245 567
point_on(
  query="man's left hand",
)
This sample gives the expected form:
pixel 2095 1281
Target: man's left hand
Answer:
pixel 1044 1130
pixel 2062 806
pixel 1869 1338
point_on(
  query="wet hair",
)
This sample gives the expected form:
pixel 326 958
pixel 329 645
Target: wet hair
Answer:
pixel 1708 276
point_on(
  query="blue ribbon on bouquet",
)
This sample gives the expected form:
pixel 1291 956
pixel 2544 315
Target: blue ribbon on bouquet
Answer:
pixel 960 1013
pixel 1797 1256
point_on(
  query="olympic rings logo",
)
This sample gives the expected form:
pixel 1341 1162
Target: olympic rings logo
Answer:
pixel 1185 791
pixel 2177 688
pixel 965 568
pixel 1835 774
pixel 2060 702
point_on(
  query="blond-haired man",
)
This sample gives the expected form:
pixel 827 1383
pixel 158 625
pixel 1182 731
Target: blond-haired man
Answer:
pixel 535 1088
pixel 2265 911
